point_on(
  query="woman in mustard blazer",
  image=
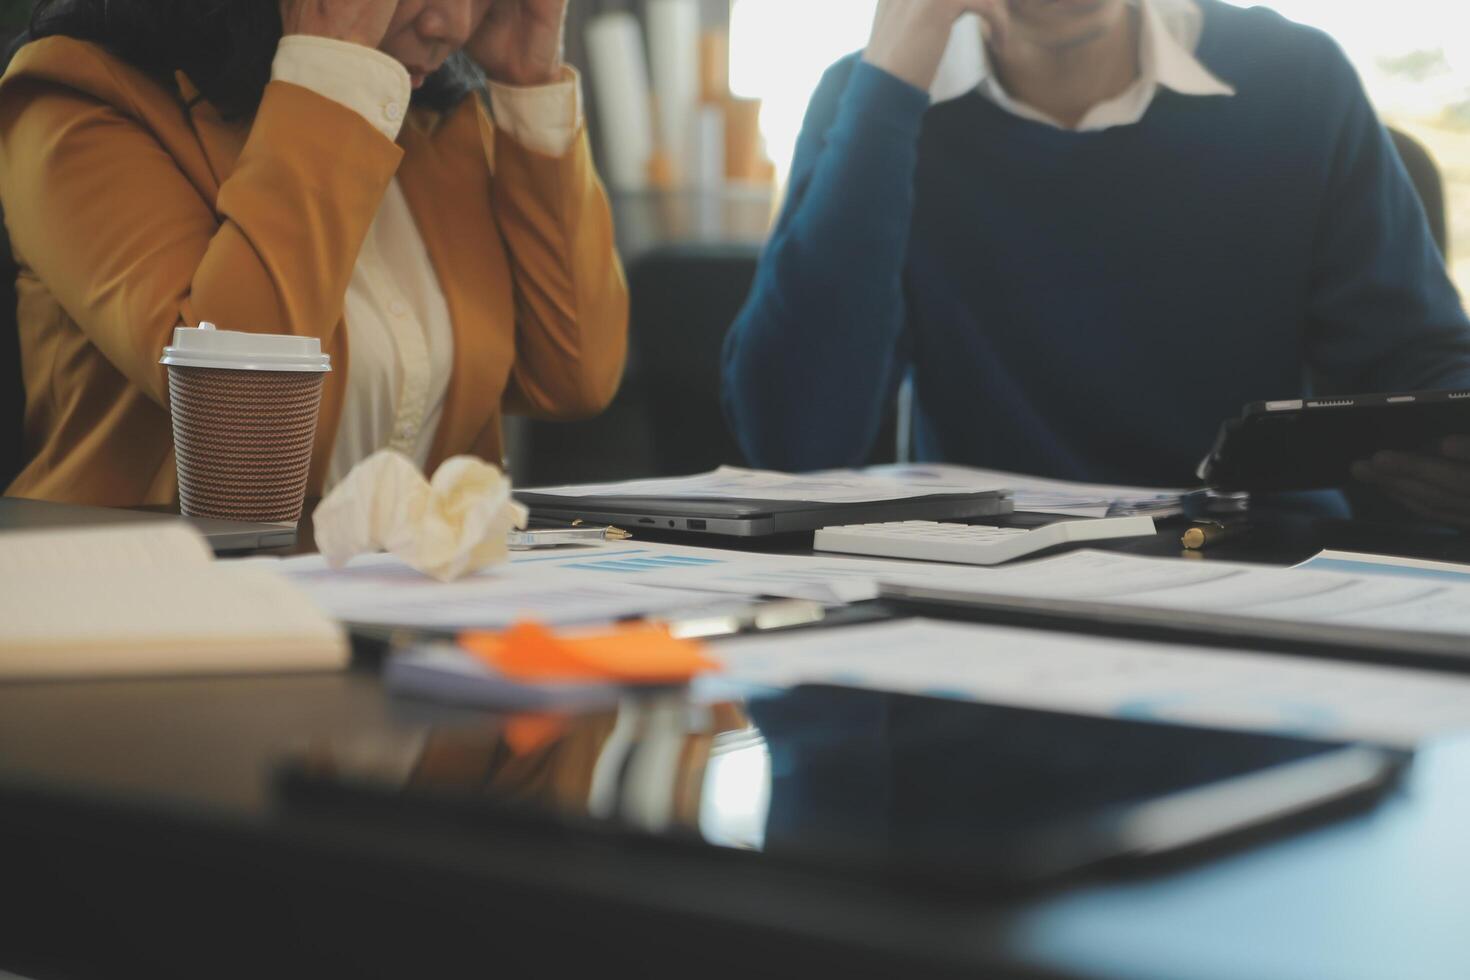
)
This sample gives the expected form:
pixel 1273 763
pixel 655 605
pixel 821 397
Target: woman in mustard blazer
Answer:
pixel 407 180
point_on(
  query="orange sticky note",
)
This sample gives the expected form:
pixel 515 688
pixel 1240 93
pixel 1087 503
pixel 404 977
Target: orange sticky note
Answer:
pixel 637 654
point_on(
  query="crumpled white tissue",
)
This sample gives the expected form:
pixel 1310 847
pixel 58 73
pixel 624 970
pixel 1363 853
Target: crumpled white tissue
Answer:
pixel 446 528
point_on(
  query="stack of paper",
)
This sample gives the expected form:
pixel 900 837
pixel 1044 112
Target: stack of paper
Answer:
pixel 1354 611
pixel 382 590
pixel 150 599
pixel 583 584
pixel 1036 494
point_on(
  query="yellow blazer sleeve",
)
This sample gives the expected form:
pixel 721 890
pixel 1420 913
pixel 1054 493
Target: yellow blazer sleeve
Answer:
pixel 103 214
pixel 571 299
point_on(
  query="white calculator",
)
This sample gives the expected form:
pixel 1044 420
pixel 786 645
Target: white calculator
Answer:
pixel 971 544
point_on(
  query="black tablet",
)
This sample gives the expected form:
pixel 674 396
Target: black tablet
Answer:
pixel 946 792
pixel 1312 443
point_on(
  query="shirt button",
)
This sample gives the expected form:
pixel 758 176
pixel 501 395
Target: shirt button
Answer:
pixel 398 309
pixel 392 111
pixel 405 431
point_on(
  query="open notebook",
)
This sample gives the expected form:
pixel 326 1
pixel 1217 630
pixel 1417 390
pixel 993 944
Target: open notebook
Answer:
pixel 150 599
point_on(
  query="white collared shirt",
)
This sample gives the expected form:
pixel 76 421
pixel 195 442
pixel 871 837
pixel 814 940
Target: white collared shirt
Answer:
pixel 400 340
pixel 1169 33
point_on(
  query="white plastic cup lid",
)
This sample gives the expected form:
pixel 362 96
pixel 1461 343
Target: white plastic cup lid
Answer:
pixel 207 347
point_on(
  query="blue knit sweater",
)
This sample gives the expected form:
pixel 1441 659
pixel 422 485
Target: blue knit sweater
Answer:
pixel 1089 305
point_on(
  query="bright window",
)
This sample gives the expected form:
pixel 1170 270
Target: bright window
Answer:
pixel 1414 56
pixel 778 51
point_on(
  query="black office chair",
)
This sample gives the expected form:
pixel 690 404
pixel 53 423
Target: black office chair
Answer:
pixel 12 385
pixel 684 299
pixel 1428 181
pixel 666 419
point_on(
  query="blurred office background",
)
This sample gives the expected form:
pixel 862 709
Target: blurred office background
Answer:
pixel 694 106
pixel 691 236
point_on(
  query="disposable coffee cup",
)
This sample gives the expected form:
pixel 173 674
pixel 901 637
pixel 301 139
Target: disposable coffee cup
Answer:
pixel 244 408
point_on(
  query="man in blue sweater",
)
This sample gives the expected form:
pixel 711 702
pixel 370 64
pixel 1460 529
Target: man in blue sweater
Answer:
pixel 1091 230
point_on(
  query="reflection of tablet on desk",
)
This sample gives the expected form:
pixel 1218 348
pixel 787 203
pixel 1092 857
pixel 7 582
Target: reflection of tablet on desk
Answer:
pixel 1307 444
pixel 953 793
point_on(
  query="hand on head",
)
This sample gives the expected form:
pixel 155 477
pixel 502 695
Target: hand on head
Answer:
pixel 514 41
pixel 362 22
pixel 909 36
pixel 520 41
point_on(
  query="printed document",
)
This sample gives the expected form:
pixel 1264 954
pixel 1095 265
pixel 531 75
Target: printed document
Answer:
pixel 1390 565
pixel 382 590
pixel 1107 677
pixel 578 584
pixel 1035 494
pixel 1294 594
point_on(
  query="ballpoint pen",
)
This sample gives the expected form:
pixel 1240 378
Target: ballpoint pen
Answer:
pixel 551 537
pixel 1205 533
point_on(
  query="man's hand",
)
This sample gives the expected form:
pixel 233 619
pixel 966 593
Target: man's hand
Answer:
pixel 520 41
pixel 362 22
pixel 1436 488
pixel 909 36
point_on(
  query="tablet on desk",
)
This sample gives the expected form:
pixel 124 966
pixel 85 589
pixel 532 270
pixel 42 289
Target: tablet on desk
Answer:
pixel 945 792
pixel 1312 443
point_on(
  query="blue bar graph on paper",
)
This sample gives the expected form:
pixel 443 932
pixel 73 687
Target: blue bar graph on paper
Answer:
pixel 658 563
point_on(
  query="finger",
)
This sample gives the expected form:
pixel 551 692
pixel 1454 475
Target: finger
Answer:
pixel 995 14
pixel 1417 496
pixel 1447 474
pixel 1436 515
pixel 1456 447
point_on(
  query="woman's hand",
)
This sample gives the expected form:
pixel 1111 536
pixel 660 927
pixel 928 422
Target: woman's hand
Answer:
pixel 362 22
pixel 909 36
pixel 1436 488
pixel 520 41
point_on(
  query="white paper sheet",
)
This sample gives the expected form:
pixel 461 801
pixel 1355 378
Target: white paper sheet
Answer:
pixel 1356 563
pixel 1112 678
pixel 820 578
pixel 1036 494
pixel 1294 594
pixel 381 589
pixel 832 487
pixel 376 588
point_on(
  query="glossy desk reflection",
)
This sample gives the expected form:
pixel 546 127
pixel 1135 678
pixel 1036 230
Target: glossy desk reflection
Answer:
pixel 951 793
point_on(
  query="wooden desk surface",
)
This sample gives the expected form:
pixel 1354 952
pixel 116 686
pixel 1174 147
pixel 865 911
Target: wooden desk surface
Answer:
pixel 139 830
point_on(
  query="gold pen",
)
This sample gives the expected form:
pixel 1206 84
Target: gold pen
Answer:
pixel 552 537
pixel 1205 533
pixel 610 533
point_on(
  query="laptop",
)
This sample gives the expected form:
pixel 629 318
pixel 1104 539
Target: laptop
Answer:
pixel 225 537
pixel 752 518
